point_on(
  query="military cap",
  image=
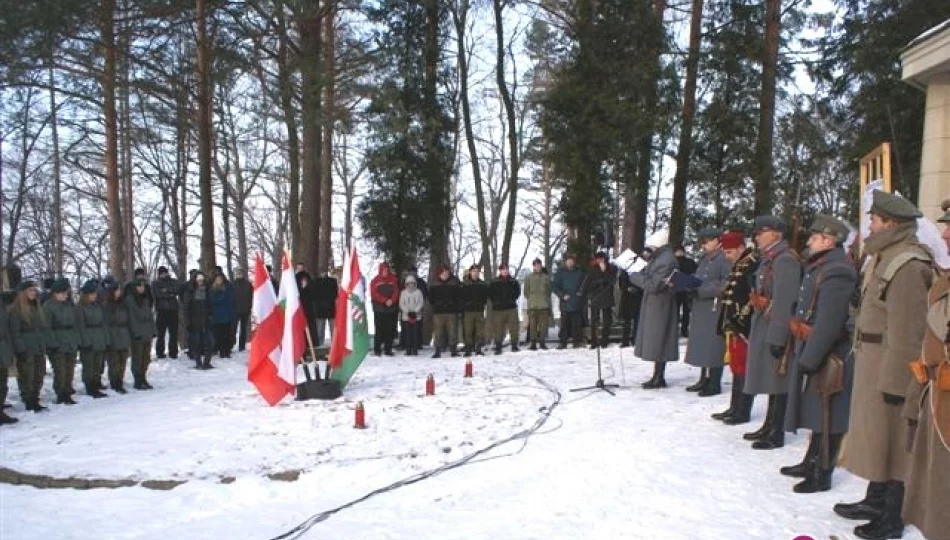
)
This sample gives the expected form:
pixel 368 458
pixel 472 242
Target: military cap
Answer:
pixel 768 223
pixel 709 233
pixel 60 285
pixel 830 226
pixel 90 286
pixel 893 207
pixel 26 284
pixel 945 218
pixel 600 255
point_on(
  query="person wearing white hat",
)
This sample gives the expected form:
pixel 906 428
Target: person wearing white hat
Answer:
pixel 657 337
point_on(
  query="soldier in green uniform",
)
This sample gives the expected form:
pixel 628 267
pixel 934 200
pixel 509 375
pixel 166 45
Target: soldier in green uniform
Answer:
pixel 93 338
pixel 474 299
pixel 537 292
pixel 120 340
pixel 142 330
pixel 6 360
pixel 63 343
pixel 28 333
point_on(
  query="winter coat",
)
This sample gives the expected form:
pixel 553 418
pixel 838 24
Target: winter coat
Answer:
pixel 63 321
pixel 824 303
pixel 599 287
pixel 196 308
pixel 28 334
pixel 927 493
pixel 630 297
pixel 474 295
pixel 120 337
pixel 222 304
pixel 735 315
pixel 166 293
pixel 890 325
pixel 445 296
pixel 6 342
pixel 778 279
pixel 243 296
pixel 306 294
pixel 504 293
pixel 129 292
pixel 141 321
pixel 93 327
pixel 325 293
pixel 411 301
pixel 706 346
pixel 383 288
pixel 537 290
pixel 657 332
pixel 568 283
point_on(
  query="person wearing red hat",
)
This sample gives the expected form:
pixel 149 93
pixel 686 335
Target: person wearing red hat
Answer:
pixel 504 292
pixel 384 291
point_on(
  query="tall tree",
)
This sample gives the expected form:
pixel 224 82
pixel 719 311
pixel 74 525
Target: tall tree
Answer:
pixel 108 82
pixel 514 157
pixel 58 248
pixel 764 143
pixel 285 84
pixel 205 134
pixel 310 28
pixel 326 150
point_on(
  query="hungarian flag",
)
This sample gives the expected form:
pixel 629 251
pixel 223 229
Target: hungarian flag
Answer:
pixel 295 322
pixel 350 328
pixel 263 367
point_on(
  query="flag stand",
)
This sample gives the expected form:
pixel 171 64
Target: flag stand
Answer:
pixel 313 356
pixel 318 388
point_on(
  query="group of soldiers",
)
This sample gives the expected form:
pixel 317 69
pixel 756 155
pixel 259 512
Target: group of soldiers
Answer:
pixel 841 344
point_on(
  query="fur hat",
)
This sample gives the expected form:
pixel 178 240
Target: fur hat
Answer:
pixel 658 239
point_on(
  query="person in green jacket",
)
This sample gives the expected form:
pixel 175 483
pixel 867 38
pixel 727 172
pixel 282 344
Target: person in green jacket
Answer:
pixel 6 360
pixel 28 333
pixel 142 330
pixel 63 343
pixel 537 292
pixel 93 338
pixel 120 340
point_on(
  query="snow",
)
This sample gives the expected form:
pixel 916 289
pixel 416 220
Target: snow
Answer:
pixel 643 464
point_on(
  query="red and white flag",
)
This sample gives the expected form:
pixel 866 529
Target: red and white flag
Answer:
pixel 292 345
pixel 263 368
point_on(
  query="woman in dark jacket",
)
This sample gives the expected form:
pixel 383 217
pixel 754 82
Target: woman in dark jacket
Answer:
pixel 93 338
pixel 142 329
pixel 223 315
pixel 28 333
pixel 120 338
pixel 196 306
pixel 308 301
pixel 62 342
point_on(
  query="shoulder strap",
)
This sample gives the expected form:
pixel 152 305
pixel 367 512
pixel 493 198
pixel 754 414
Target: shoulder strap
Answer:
pixel 917 253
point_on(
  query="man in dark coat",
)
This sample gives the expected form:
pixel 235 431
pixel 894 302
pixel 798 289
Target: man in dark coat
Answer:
pixel 657 336
pixel 684 300
pixel 630 298
pixel 325 291
pixel 599 290
pixel 474 299
pixel 504 292
pixel 445 296
pixel 777 282
pixel 820 329
pixel 165 290
pixel 567 284
pixel 384 292
pixel 243 302
pixel 308 303
pixel 706 347
pixel 196 309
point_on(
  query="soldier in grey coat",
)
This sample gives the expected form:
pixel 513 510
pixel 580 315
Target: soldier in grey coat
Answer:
pixel 821 330
pixel 93 338
pixel 6 360
pixel 706 346
pixel 777 283
pixel 657 336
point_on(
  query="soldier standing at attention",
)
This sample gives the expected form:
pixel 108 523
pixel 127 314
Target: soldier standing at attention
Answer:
pixel 63 343
pixel 537 291
pixel 141 330
pixel 93 338
pixel 28 329
pixel 567 284
pixel 166 290
pixel 444 297
pixel 504 292
pixel 474 299
pixel 706 347
pixel 599 290
pixel 777 284
pixel 820 376
pixel 890 327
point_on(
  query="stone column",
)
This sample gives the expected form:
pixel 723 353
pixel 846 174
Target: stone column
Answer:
pixel 935 158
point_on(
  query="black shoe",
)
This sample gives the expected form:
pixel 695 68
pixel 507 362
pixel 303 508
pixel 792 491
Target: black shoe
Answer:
pixel 543 346
pixel 713 386
pixel 454 353
pixel 6 419
pixel 36 407
pixel 817 480
pixel 561 346
pixel 389 353
pixel 160 356
pixel 69 401
pixel 724 414
pixel 700 384
pixel 766 426
pixel 889 524
pixel 468 354
pixel 533 347
pixel 498 349
pixel 514 348
pixel 803 469
pixel 146 386
pixel 868 508
pixel 138 385
pixel 121 390
pixel 206 364
pixel 479 351
pixel 98 395
pixel 438 354
pixel 772 442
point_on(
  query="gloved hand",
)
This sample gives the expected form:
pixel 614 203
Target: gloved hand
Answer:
pixel 777 350
pixel 892 399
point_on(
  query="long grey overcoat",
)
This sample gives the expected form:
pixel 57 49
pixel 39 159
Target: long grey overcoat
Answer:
pixel 657 336
pixel 778 279
pixel 824 303
pixel 706 345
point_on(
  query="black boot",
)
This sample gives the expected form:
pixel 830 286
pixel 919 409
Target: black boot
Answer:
pixel 819 478
pixel 562 345
pixel 198 362
pixel 438 353
pixel 514 346
pixel 701 383
pixel 868 508
pixel 889 524
pixel 453 351
pixel 658 380
pixel 713 386
pixel 468 352
pixel 743 412
pixel 533 347
pixel 808 462
pixel 6 419
pixel 543 346
pixel 498 348
pixel 207 362
pixel 733 400
pixel 776 438
pixel 766 425
pixel 36 407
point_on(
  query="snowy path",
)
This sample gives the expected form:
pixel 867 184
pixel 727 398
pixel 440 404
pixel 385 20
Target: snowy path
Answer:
pixel 643 464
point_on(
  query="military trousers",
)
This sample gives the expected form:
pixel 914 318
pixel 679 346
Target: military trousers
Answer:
pixel 444 335
pixel 4 377
pixel 506 321
pixel 30 369
pixel 473 329
pixel 117 360
pixel 141 358
pixel 92 362
pixel 64 369
pixel 537 325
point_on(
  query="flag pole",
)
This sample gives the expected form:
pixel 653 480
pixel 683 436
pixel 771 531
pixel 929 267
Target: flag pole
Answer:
pixel 313 355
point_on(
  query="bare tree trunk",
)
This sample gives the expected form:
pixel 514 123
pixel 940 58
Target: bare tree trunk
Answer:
pixel 286 91
pixel 208 261
pixel 178 202
pixel 763 145
pixel 126 144
pixel 683 153
pixel 226 226
pixel 239 209
pixel 310 28
pixel 547 213
pixel 113 206
pixel 438 184
pixel 514 157
pixel 57 178
pixel 326 155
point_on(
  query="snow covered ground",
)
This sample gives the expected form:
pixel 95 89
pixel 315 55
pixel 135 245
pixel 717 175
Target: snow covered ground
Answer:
pixel 643 464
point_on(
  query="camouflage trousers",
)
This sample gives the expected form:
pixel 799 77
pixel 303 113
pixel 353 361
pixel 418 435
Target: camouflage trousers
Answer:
pixel 506 321
pixel 537 325
pixel 473 329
